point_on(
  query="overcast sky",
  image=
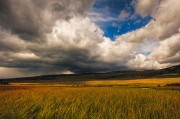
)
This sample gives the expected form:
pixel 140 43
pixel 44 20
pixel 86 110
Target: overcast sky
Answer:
pixel 82 36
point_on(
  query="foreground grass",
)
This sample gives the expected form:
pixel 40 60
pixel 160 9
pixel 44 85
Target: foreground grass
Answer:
pixel 89 103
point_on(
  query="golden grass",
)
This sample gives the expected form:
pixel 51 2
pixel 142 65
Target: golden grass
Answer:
pixel 153 81
pixel 45 102
pixel 25 84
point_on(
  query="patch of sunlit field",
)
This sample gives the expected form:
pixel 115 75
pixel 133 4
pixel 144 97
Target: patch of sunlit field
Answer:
pixel 56 102
pixel 135 82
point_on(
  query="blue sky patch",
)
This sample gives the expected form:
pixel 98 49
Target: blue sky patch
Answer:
pixel 116 17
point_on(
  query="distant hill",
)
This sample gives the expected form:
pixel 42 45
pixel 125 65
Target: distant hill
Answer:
pixel 116 75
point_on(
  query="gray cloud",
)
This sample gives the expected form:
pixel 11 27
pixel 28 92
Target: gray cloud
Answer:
pixel 32 19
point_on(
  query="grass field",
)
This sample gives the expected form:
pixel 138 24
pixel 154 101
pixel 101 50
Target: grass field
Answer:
pixel 135 82
pixel 83 102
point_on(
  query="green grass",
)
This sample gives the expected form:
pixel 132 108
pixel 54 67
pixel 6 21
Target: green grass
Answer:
pixel 45 102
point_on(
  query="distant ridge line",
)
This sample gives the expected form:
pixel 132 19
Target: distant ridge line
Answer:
pixel 173 71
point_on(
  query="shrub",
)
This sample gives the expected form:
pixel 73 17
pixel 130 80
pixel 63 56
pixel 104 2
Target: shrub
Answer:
pixel 173 84
pixel 4 82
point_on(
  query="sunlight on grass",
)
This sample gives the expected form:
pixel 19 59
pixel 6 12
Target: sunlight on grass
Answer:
pixel 89 102
pixel 153 81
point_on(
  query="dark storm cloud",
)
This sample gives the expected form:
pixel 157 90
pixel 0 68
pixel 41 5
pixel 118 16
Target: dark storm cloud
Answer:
pixel 32 19
pixel 9 42
pixel 24 41
pixel 77 60
pixel 25 25
pixel 74 60
pixel 20 18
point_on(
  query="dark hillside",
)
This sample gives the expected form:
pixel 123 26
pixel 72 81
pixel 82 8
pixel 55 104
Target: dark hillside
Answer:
pixel 116 75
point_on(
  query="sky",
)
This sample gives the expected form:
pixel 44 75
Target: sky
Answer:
pixel 84 36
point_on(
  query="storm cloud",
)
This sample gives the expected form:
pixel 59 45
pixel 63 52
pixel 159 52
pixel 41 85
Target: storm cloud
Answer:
pixel 32 19
pixel 50 36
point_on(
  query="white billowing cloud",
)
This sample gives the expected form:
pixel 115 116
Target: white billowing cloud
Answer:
pixel 168 51
pixel 140 61
pixel 164 23
pixel 147 7
pixel 135 36
pixel 76 34
pixel 165 27
pixel 116 51
pixel 68 36
pixel 137 62
pixel 147 46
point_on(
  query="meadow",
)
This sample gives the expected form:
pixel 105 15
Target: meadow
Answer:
pixel 133 82
pixel 83 102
